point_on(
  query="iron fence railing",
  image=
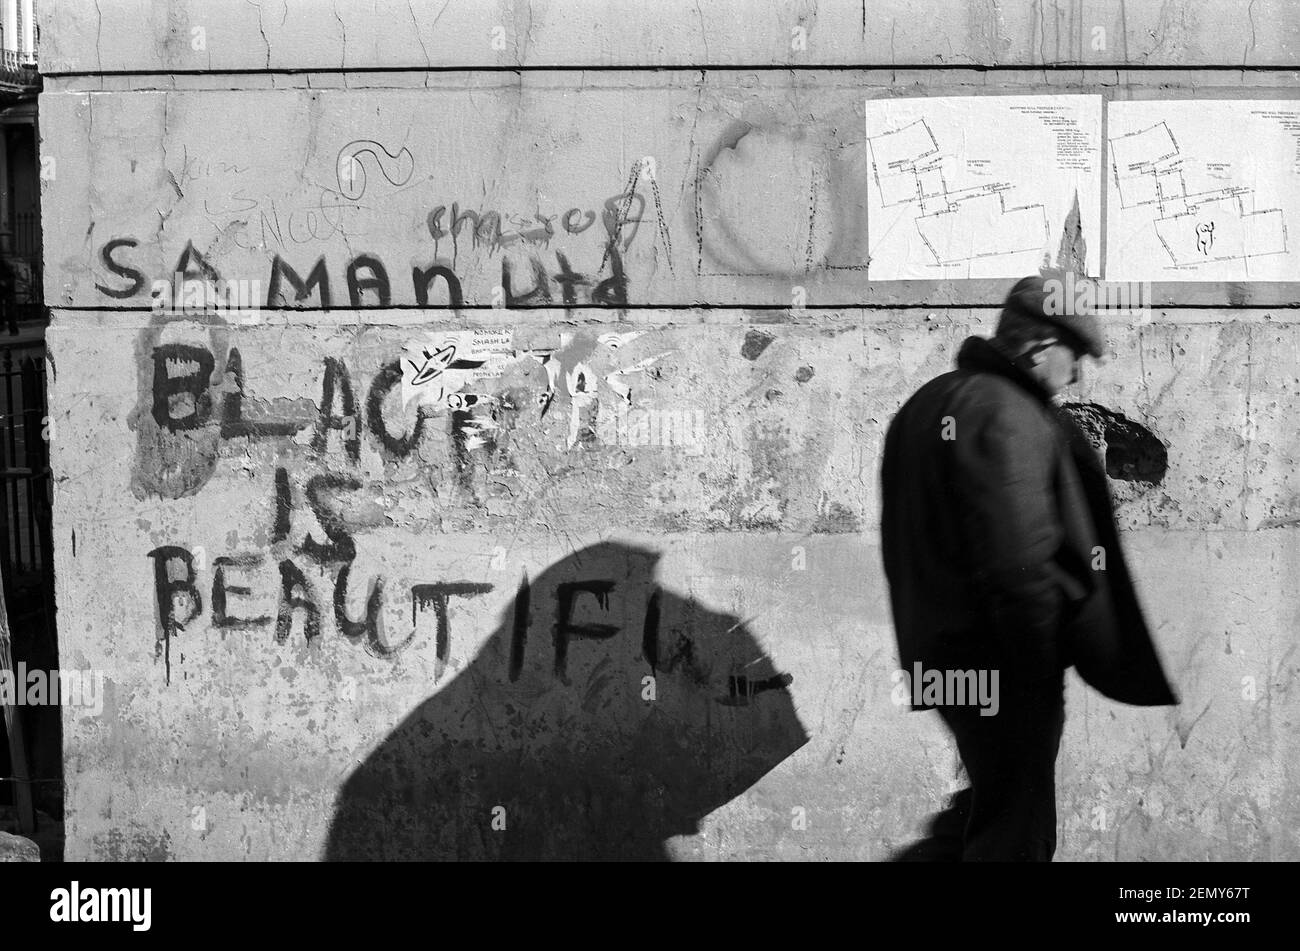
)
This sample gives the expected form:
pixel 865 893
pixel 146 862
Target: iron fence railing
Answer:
pixel 25 239
pixel 26 543
pixel 24 462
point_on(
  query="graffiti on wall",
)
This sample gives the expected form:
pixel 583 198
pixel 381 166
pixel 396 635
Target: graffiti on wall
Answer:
pixel 587 268
pixel 443 412
pixel 368 282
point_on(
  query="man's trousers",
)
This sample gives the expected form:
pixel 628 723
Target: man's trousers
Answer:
pixel 1008 814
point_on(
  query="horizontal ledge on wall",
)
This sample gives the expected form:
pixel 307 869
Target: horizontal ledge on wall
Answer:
pixel 1067 67
pixel 910 78
pixel 831 319
pixel 747 196
pixel 1190 296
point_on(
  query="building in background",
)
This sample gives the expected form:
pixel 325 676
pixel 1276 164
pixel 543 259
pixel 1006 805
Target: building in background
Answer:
pixel 24 459
pixel 20 194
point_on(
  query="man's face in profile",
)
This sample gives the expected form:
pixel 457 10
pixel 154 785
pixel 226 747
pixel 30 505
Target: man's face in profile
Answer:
pixel 1056 364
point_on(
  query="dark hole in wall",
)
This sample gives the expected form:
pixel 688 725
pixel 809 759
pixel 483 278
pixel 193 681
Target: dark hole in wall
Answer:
pixel 1133 452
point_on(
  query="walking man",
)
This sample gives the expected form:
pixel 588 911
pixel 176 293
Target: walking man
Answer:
pixel 1002 554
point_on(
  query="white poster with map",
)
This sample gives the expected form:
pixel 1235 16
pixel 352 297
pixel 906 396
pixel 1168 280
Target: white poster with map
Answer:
pixel 1203 190
pixel 983 186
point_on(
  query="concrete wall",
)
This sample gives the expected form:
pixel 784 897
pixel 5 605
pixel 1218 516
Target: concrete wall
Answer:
pixel 254 539
pixel 132 36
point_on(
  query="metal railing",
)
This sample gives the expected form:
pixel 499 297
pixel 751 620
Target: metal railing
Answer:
pixel 18 69
pixel 14 59
pixel 24 463
pixel 26 543
pixel 18 44
pixel 25 239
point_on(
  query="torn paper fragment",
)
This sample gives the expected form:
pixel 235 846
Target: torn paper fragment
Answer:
pixel 439 365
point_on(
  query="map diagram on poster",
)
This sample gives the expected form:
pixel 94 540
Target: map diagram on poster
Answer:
pixel 1203 190
pixel 983 186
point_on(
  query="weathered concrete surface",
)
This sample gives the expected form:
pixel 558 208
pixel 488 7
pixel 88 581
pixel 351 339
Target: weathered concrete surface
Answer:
pixel 716 462
pixel 778 424
pixel 145 35
pixel 770 521
pixel 722 189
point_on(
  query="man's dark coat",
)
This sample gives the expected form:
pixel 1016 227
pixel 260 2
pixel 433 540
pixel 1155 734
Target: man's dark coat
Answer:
pixel 999 539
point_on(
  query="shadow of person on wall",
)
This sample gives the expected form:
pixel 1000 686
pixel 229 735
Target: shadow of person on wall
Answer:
pixel 603 716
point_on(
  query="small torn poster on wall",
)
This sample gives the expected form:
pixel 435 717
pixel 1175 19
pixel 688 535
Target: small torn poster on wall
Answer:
pixel 436 367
